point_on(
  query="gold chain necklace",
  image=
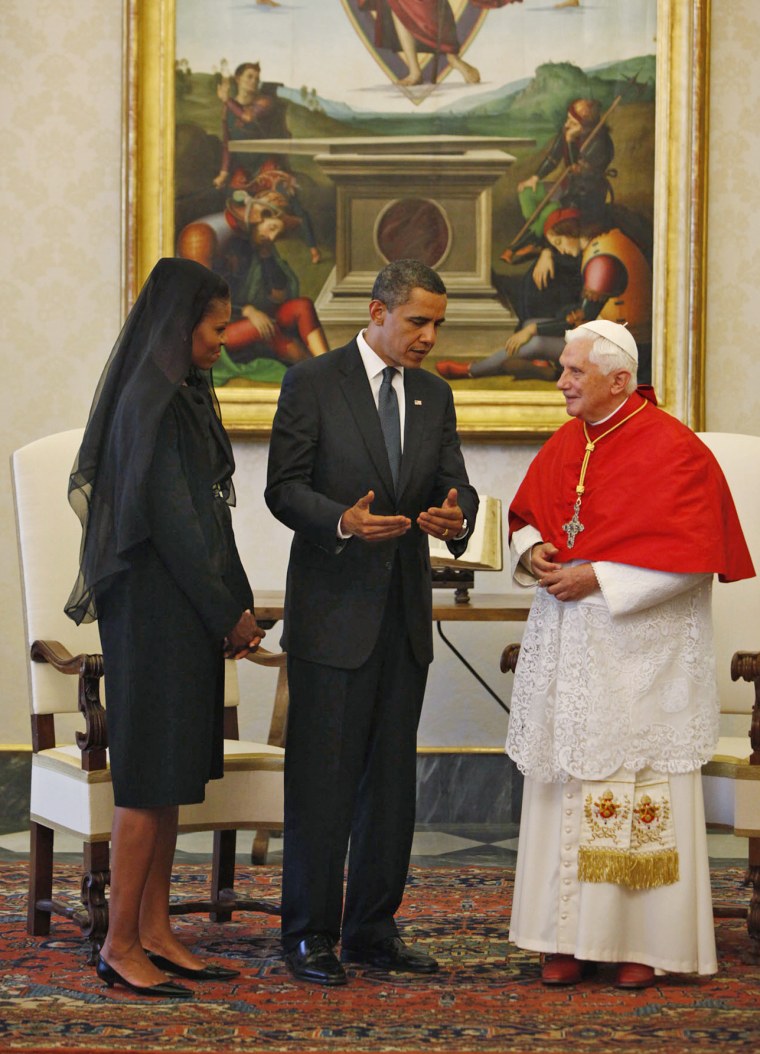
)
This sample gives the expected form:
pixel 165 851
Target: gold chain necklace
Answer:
pixel 574 526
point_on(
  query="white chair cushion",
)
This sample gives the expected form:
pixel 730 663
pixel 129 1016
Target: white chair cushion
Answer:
pixel 733 750
pixel 66 798
pixel 250 796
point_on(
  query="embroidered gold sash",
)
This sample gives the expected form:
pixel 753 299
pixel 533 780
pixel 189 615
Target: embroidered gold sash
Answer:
pixel 627 834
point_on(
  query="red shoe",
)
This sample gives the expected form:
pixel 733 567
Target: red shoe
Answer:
pixel 634 975
pixel 561 969
pixel 453 371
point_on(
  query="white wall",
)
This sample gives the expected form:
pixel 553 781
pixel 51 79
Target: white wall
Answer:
pixel 60 92
pixel 60 66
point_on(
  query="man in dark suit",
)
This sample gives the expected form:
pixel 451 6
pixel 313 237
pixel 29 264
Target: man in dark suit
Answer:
pixel 361 500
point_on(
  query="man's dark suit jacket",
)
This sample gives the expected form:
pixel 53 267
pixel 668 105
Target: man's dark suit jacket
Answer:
pixel 327 450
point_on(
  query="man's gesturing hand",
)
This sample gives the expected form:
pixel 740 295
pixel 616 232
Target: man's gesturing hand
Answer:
pixel 360 521
pixel 446 522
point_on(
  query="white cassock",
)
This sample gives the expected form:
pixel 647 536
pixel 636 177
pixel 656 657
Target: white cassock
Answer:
pixel 620 685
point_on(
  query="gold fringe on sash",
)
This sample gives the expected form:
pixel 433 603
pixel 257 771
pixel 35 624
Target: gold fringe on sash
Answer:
pixel 627 834
pixel 634 870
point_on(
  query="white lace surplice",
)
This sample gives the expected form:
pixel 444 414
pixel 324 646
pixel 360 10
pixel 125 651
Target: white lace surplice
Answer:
pixel 625 677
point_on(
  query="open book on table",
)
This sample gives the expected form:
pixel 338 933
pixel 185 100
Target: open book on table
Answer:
pixel 484 550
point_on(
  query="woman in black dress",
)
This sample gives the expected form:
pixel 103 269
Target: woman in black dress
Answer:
pixel 160 571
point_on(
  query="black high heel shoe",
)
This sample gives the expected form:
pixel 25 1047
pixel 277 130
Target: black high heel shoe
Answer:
pixel 163 990
pixel 210 972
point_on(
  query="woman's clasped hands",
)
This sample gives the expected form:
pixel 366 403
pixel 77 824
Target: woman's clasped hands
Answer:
pixel 244 637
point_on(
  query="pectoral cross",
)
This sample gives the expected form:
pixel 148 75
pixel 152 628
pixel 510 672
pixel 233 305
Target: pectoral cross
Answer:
pixel 573 526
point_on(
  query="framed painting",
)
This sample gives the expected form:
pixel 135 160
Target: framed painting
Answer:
pixel 547 158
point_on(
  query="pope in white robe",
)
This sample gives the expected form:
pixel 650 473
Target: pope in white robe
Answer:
pixel 614 705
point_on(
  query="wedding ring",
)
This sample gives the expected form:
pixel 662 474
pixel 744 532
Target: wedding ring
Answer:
pixel 445 532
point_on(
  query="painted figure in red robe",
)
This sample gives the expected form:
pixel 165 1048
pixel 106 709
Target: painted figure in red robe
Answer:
pixel 429 26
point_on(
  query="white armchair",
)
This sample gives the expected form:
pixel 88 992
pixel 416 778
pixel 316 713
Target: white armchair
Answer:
pixel 732 779
pixel 71 787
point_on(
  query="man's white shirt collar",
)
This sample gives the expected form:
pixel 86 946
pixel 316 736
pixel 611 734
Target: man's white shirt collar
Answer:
pixel 594 424
pixel 373 364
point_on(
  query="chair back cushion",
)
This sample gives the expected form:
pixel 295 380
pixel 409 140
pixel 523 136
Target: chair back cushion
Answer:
pixel 736 605
pixel 49 536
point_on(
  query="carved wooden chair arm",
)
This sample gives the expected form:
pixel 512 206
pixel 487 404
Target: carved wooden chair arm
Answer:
pixel 509 658
pixel 61 659
pixel 89 669
pixel 745 666
pixel 262 657
pixel 279 719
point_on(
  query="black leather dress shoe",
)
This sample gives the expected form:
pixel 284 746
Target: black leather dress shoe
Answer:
pixel 163 990
pixel 313 959
pixel 210 972
pixel 390 954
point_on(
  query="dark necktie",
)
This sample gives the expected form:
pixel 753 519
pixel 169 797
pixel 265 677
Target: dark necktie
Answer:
pixel 387 407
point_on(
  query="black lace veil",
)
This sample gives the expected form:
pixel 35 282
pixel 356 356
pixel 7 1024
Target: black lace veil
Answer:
pixel 150 360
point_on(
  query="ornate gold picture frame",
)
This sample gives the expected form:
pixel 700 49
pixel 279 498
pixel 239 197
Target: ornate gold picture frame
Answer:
pixel 522 411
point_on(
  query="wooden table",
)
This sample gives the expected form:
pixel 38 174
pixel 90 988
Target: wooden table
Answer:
pixel 482 607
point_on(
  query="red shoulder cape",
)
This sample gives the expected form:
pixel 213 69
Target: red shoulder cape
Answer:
pixel 654 497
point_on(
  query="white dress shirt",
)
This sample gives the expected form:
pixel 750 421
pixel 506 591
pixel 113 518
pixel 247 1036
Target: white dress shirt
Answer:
pixel 374 366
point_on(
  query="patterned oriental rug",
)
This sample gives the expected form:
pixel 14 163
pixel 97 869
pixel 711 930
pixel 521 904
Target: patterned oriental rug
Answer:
pixel 487 997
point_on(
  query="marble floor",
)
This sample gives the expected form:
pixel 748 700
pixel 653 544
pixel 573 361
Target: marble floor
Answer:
pixel 435 845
